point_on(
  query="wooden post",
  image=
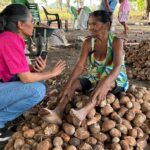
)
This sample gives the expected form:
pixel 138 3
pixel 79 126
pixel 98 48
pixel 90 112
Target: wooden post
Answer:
pixel 66 25
pixel 148 8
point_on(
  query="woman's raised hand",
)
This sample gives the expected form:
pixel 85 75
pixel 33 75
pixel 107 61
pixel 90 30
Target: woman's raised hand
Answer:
pixel 58 68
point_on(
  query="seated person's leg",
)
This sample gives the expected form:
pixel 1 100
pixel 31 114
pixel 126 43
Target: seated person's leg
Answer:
pixel 54 116
pixel 18 97
pixel 80 115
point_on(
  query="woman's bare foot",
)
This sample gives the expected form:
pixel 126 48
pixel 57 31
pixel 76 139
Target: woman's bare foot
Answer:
pixel 50 116
pixel 78 116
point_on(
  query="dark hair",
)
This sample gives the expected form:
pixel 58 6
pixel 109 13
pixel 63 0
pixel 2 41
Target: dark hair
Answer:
pixel 102 16
pixel 10 16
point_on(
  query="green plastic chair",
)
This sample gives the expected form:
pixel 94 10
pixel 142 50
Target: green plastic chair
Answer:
pixel 24 2
pixel 49 21
pixel 87 10
pixel 34 9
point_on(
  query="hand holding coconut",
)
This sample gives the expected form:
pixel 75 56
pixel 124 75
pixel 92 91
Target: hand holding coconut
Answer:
pixel 101 92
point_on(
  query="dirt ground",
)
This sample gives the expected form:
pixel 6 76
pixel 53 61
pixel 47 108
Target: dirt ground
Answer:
pixel 70 54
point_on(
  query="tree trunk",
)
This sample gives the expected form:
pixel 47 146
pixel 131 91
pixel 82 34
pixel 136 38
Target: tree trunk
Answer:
pixel 60 4
pixel 90 2
pixel 45 1
pixel 68 4
pixel 148 7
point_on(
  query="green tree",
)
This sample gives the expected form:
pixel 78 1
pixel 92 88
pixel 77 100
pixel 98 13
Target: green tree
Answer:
pixel 59 3
pixel 45 1
pixel 68 4
pixel 141 4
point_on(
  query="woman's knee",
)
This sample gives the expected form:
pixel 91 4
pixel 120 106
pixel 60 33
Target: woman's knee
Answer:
pixel 39 90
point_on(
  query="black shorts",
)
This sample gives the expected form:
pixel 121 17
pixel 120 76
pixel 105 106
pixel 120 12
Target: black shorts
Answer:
pixel 87 86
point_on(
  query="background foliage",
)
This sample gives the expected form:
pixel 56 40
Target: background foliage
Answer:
pixel 140 4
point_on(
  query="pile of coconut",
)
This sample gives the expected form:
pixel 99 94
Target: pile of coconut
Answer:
pixel 139 58
pixel 118 123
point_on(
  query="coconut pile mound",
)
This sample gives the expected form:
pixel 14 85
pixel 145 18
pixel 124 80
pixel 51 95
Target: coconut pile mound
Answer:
pixel 118 123
pixel 138 57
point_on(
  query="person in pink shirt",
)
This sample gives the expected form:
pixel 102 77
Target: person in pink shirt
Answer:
pixel 123 14
pixel 21 85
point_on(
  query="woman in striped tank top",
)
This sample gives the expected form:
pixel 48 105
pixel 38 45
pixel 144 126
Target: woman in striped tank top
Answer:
pixel 106 70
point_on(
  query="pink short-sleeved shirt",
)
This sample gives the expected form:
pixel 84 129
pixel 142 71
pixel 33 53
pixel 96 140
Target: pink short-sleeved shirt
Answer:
pixel 12 55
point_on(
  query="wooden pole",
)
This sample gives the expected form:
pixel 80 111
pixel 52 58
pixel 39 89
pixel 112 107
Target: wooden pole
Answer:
pixel 148 7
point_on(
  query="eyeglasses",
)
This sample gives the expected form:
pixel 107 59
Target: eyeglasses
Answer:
pixel 32 21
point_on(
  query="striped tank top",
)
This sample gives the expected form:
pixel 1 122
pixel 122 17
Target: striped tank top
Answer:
pixel 101 69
